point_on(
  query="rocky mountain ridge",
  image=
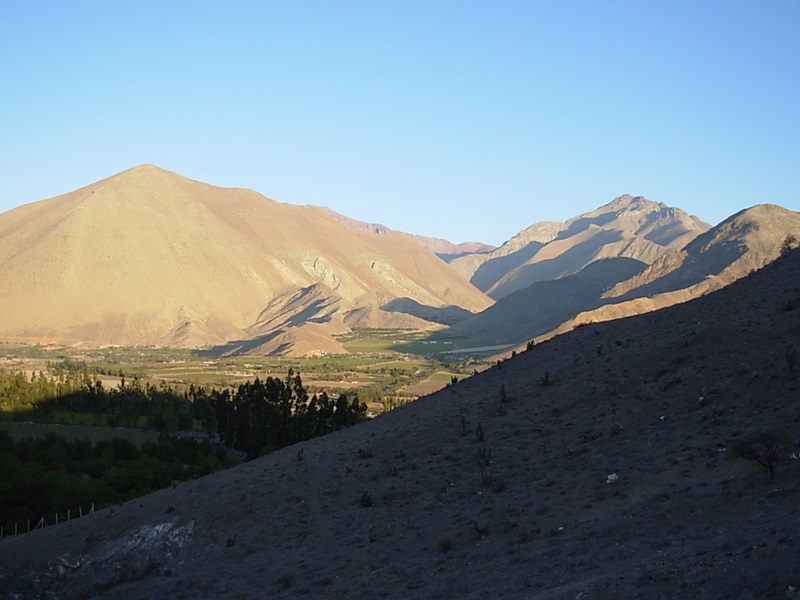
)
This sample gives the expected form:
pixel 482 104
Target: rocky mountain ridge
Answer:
pixel 443 248
pixel 617 287
pixel 628 227
pixel 148 257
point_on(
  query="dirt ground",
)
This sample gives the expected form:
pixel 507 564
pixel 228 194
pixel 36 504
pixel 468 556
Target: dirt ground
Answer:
pixel 605 473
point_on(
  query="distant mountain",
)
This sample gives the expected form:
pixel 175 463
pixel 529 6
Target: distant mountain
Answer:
pixel 442 248
pixel 619 287
pixel 741 244
pixel 627 227
pixel 150 257
pixel 484 269
pixel 542 306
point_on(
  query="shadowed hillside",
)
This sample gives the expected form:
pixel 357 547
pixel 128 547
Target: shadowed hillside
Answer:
pixel 615 288
pixel 537 309
pixel 740 244
pixel 627 227
pixel 599 464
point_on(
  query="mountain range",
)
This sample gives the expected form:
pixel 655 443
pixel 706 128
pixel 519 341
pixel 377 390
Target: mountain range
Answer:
pixel 597 464
pixel 149 257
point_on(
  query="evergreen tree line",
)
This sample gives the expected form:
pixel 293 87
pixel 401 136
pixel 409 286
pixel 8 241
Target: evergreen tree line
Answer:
pixel 256 418
pixel 262 416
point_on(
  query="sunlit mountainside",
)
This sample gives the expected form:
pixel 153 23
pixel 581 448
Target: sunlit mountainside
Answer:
pixel 149 257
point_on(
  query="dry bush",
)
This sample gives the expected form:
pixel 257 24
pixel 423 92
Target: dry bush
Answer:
pixel 766 447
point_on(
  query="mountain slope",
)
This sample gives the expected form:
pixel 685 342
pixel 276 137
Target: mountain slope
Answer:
pixel 627 227
pixel 442 248
pixel 151 257
pixel 739 245
pixel 543 306
pixel 484 269
pixel 462 495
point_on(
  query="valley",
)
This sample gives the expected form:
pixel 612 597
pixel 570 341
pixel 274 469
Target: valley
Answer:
pixel 606 462
pixel 386 368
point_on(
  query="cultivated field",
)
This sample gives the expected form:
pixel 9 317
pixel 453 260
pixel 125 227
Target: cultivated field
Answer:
pixel 385 367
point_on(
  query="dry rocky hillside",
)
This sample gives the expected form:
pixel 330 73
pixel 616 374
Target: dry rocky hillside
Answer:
pixel 443 248
pixel 627 227
pixel 148 257
pixel 596 465
pixel 616 285
pixel 151 257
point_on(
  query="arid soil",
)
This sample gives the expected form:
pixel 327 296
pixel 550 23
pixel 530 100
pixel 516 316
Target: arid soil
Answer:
pixel 498 486
pixel 148 257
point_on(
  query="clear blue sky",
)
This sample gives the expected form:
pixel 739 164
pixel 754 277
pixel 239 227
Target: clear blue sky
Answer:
pixel 465 120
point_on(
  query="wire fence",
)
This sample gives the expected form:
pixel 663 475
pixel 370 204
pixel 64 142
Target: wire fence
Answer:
pixel 33 525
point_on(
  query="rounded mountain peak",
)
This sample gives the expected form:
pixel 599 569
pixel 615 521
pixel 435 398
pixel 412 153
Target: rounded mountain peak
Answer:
pixel 628 202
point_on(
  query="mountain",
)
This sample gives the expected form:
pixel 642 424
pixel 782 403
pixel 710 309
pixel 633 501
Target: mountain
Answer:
pixel 739 245
pixel 543 306
pixel 597 464
pixel 627 227
pixel 486 268
pixel 150 257
pixel 613 288
pixel 443 248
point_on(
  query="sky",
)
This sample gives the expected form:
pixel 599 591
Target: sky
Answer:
pixel 464 120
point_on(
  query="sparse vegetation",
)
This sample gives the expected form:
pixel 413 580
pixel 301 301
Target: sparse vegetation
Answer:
pixel 767 448
pixel 501 400
pixel 484 455
pixel 523 536
pixel 789 243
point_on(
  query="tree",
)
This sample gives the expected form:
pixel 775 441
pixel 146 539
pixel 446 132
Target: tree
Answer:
pixel 766 447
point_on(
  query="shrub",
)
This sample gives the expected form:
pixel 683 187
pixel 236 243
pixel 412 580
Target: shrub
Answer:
pixel 766 447
pixel 789 243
